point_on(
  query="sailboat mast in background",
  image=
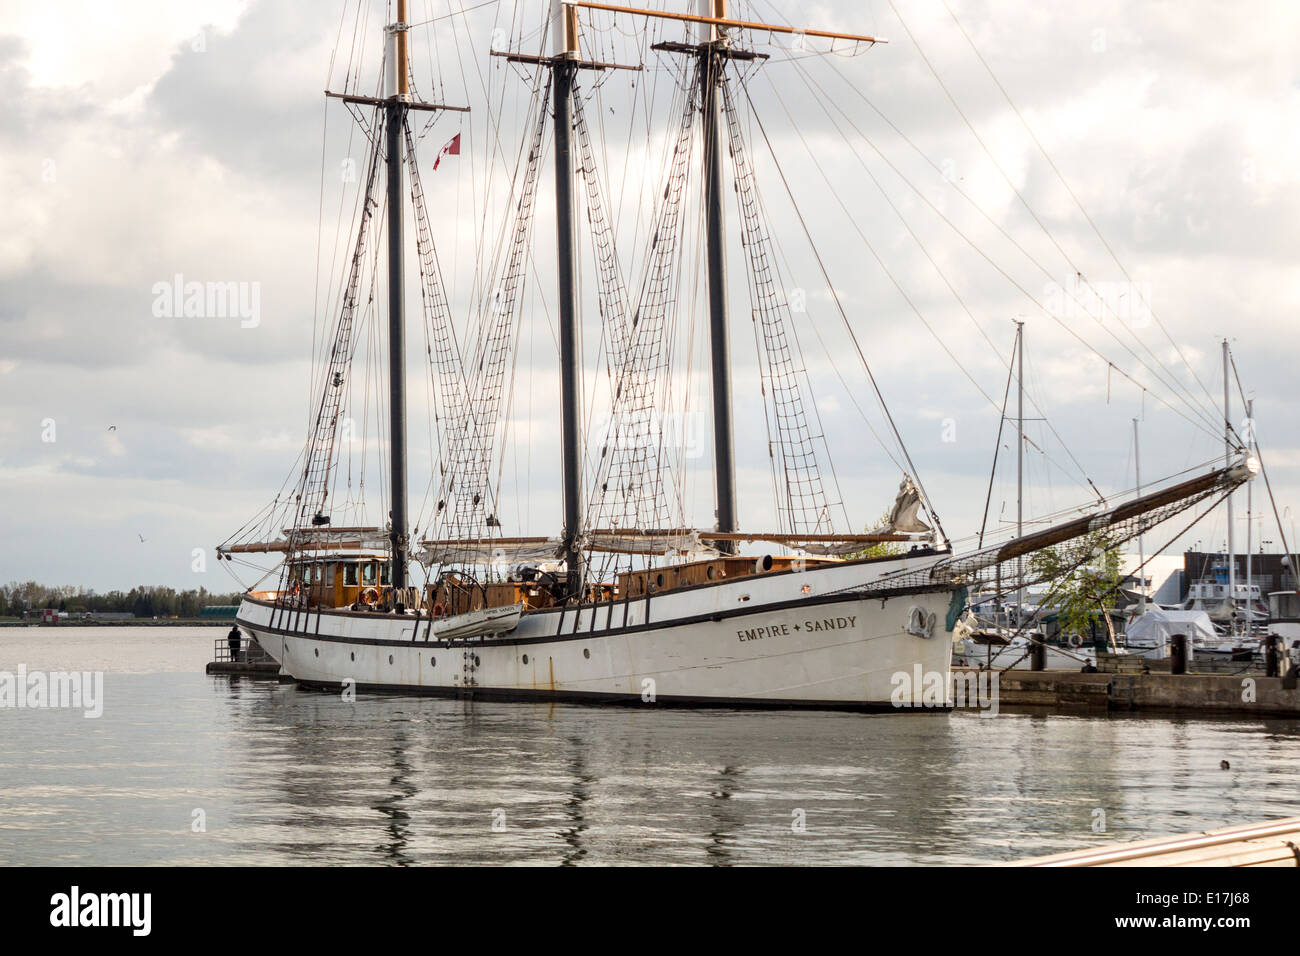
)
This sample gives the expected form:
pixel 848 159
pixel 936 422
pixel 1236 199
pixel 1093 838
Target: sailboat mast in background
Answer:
pixel 1227 457
pixel 1020 466
pixel 1142 559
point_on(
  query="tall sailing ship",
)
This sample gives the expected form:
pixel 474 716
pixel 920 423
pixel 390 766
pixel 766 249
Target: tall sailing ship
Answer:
pixel 629 602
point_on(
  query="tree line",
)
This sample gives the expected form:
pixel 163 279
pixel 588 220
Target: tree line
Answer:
pixel 17 598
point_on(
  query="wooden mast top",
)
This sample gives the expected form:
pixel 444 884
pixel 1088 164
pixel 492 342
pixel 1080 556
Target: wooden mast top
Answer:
pixel 398 80
pixel 403 57
pixel 722 22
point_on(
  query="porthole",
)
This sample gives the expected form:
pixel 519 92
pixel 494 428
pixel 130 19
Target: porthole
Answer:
pixel 433 662
pixel 709 572
pixel 659 579
pixel 390 658
pixel 353 655
pixel 525 658
pixel 586 653
pixel 318 652
pixel 476 660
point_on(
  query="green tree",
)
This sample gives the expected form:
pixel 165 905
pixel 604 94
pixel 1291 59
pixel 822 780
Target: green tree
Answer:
pixel 882 549
pixel 1084 579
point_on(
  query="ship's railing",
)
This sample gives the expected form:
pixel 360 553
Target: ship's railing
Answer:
pixel 249 652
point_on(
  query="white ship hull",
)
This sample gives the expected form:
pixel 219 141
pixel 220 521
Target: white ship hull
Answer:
pixel 755 641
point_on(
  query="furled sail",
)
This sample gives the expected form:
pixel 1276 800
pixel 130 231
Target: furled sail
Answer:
pixel 903 516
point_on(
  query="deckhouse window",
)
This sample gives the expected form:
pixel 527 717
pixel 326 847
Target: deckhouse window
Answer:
pixel 349 575
pixel 368 574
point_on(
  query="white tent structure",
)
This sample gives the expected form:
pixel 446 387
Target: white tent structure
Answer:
pixel 1151 633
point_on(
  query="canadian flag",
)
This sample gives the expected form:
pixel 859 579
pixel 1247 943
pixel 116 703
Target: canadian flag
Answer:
pixel 451 149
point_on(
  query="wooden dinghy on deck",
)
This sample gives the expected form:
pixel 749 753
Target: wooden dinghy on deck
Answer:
pixel 480 623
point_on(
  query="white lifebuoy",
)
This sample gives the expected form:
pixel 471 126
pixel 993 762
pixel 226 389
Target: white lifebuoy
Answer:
pixel 370 597
pixel 1076 640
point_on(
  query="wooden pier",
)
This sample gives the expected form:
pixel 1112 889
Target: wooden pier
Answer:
pixel 1275 843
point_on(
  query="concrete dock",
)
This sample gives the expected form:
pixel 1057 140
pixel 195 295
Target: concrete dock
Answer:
pixel 260 670
pixel 1247 695
pixel 249 660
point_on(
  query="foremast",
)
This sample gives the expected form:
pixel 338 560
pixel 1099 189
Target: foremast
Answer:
pixel 395 108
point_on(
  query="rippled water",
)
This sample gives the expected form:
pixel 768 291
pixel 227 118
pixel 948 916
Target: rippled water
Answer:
pixel 288 776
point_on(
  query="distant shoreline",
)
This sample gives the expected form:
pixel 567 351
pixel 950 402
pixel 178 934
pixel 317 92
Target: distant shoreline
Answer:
pixel 134 622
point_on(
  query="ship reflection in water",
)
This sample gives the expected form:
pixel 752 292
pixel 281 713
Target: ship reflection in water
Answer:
pixel 284 776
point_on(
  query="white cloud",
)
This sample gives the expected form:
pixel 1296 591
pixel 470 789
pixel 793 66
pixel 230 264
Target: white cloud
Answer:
pixel 1179 141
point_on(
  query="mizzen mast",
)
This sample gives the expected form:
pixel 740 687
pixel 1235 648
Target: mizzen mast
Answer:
pixel 713 49
pixel 564 65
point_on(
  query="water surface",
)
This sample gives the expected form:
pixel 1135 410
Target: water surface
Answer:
pixel 282 775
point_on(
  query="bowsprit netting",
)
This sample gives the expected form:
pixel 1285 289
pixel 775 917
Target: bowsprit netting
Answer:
pixel 1012 565
pixel 630 489
pixel 318 463
pixel 465 509
pixel 802 505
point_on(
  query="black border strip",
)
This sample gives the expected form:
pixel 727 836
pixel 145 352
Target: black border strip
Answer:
pixel 545 695
pixel 830 598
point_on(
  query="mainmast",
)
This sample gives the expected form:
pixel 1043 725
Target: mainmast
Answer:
pixel 564 66
pixel 395 106
pixel 712 44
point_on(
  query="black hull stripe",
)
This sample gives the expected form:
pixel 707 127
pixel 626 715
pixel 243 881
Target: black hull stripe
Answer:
pixel 543 695
pixel 715 617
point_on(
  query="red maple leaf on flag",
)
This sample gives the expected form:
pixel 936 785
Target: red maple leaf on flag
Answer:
pixel 451 149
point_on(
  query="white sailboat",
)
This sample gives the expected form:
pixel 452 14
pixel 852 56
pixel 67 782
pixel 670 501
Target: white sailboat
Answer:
pixel 619 607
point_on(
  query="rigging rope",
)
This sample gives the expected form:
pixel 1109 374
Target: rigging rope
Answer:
pixel 802 502
pixel 629 488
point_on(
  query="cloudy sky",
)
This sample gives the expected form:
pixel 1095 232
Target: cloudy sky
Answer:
pixel 146 140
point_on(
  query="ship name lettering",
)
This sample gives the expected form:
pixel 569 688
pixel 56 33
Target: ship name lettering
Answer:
pixel 830 624
pixel 758 633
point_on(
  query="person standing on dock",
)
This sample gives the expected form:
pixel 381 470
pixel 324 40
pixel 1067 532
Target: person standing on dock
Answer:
pixel 233 640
